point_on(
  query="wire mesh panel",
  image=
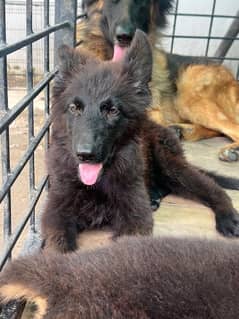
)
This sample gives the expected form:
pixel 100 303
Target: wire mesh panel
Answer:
pixel 25 121
pixel 205 28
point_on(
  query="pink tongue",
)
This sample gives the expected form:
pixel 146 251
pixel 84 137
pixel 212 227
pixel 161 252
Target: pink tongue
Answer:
pixel 119 53
pixel 89 173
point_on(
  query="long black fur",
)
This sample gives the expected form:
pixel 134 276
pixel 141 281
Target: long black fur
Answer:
pixel 108 124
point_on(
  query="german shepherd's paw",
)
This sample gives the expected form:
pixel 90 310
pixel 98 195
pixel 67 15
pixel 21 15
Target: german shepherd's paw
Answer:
pixel 228 155
pixel 228 225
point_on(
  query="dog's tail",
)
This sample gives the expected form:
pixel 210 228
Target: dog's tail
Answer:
pixel 224 181
pixel 26 279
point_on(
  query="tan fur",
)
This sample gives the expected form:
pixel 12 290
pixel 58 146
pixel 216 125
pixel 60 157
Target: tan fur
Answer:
pixel 89 34
pixel 17 291
pixel 207 103
pixel 208 96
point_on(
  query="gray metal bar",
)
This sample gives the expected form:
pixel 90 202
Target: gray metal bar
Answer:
pixel 5 135
pixel 20 106
pixel 29 64
pixel 201 15
pixel 32 38
pixel 25 158
pixel 13 239
pixel 199 37
pixel 174 27
pixel 65 10
pixel 46 70
pixel 231 33
pixel 210 27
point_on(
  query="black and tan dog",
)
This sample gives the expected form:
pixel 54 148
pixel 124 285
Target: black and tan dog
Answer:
pixel 198 111
pixel 137 278
pixel 104 150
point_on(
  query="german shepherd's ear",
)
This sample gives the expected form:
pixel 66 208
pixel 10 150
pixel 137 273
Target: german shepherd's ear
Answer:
pixel 160 10
pixel 138 60
pixel 85 4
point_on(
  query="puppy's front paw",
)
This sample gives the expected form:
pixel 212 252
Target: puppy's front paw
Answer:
pixel 60 243
pixel 228 224
pixel 177 130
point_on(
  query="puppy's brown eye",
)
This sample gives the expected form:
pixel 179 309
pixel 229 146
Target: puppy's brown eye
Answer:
pixel 72 108
pixel 113 111
pixel 109 109
pixel 75 108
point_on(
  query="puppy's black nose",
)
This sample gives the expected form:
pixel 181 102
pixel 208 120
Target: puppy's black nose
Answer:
pixel 85 153
pixel 124 33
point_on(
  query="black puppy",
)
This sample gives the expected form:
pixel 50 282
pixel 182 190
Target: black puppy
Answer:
pixel 103 148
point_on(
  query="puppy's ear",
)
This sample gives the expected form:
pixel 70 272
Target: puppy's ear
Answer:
pixel 160 10
pixel 70 59
pixel 138 60
pixel 71 62
pixel 73 59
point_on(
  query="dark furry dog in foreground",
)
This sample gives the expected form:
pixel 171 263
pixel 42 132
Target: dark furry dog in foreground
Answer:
pixel 137 278
pixel 103 146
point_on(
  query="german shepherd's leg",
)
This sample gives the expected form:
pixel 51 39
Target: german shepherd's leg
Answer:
pixel 213 118
pixel 193 132
pixel 134 214
pixel 187 181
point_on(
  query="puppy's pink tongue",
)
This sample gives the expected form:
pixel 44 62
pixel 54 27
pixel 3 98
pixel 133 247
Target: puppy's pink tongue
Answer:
pixel 89 173
pixel 119 53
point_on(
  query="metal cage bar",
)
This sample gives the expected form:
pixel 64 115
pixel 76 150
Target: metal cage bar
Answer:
pixel 29 64
pixel 174 26
pixel 46 71
pixel 210 27
pixel 230 36
pixel 5 153
pixel 65 17
pixel 65 12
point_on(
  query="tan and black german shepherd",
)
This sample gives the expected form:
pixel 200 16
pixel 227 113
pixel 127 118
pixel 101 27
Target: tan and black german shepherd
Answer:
pixel 201 100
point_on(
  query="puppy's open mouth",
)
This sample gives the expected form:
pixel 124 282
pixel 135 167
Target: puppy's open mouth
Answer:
pixel 89 172
pixel 119 51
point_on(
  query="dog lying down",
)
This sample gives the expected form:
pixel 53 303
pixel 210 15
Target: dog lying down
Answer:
pixel 106 156
pixel 137 277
